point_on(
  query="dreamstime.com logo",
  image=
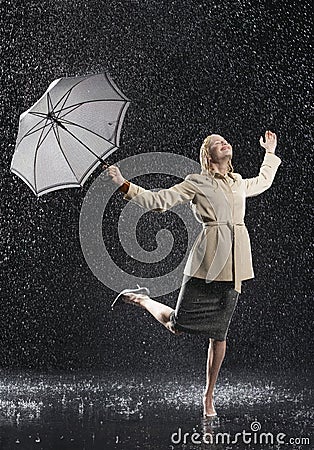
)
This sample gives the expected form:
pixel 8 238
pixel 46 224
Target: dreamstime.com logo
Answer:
pixel 95 249
pixel 255 436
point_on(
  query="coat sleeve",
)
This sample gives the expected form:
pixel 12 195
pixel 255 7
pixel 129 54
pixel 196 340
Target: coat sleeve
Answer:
pixel 257 185
pixel 164 199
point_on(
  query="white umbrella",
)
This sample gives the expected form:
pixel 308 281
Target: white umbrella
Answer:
pixel 68 132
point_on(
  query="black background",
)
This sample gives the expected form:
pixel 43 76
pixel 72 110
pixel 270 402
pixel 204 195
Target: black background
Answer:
pixel 236 68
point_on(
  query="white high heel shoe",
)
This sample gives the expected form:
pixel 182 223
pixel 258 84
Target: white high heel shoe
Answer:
pixel 139 290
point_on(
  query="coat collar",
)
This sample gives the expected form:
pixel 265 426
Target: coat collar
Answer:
pixel 217 174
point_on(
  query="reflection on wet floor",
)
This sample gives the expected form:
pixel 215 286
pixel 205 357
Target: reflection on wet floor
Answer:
pixel 115 411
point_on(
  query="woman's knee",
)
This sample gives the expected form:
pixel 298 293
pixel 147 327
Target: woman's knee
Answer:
pixel 170 326
pixel 214 341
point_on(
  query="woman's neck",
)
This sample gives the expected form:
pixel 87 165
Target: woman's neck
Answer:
pixel 222 167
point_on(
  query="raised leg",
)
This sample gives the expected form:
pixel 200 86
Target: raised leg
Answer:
pixel 216 354
pixel 158 310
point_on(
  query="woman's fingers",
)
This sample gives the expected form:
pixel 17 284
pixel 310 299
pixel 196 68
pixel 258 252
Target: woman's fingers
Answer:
pixel 270 135
pixel 270 141
pixel 115 174
pixel 273 136
pixel 113 170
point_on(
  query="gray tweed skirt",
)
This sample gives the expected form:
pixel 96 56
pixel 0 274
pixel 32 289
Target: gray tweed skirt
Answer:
pixel 205 308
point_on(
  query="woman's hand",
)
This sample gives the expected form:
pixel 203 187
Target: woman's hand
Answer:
pixel 270 142
pixel 116 176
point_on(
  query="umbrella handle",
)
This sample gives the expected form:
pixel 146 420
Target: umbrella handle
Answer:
pixel 106 165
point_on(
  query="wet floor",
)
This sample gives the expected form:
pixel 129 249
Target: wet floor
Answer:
pixel 108 411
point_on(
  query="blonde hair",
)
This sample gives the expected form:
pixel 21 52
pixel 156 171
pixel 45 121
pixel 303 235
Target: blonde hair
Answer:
pixel 205 155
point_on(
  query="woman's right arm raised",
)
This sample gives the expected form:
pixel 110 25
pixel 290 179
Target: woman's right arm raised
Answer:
pixel 155 201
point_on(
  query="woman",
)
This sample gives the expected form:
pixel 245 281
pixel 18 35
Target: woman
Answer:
pixel 220 258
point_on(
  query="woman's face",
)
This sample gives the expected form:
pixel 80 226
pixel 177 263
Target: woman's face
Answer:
pixel 219 148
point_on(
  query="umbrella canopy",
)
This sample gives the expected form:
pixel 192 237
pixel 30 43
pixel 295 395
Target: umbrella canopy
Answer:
pixel 71 129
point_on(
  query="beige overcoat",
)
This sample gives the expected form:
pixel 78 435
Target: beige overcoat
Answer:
pixel 222 250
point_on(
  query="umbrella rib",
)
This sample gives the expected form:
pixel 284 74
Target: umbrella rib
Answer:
pixel 67 93
pixel 65 100
pixel 75 85
pixel 57 136
pixel 84 145
pixel 49 104
pixel 86 171
pixel 74 107
pixel 118 125
pixel 38 114
pixel 30 131
pixel 77 105
pixel 40 140
pixel 44 116
pixel 69 122
pixel 34 131
pixel 114 86
pixel 39 143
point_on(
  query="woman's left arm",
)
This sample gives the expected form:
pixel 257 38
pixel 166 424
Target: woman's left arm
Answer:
pixel 271 162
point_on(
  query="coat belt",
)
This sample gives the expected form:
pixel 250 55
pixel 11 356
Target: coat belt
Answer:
pixel 214 223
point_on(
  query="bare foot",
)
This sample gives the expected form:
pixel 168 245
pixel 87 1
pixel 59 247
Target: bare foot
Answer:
pixel 209 406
